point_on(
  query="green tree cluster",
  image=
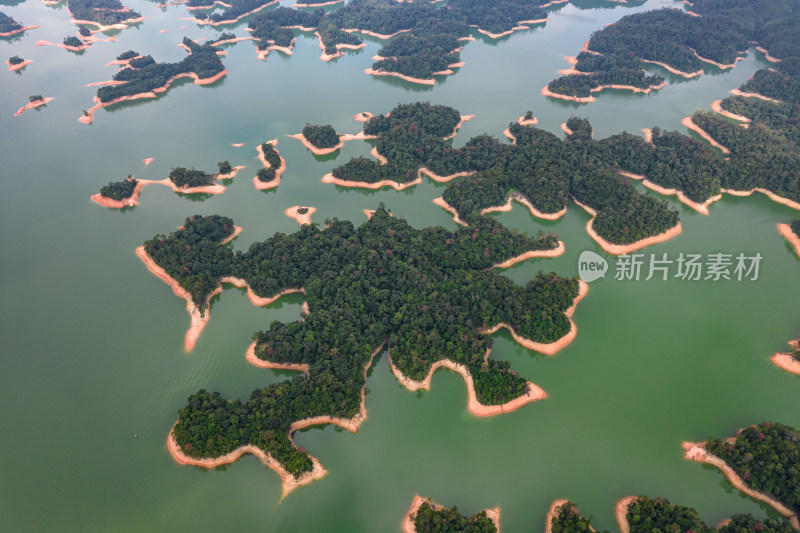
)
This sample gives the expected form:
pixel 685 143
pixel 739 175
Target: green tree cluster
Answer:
pixel 443 520
pixel 119 190
pixel 105 12
pixel 321 136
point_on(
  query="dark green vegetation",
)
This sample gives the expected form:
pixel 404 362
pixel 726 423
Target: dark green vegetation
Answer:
pixel 321 136
pixel 443 520
pixel 119 190
pixel 141 62
pixel 427 292
pixel 648 515
pixel 105 12
pixel 568 519
pixel 745 523
pixel 767 458
pixel 130 54
pixel 539 166
pixel 237 9
pixel 72 41
pixel 273 158
pixel 35 98
pixel 724 32
pixel 183 177
pixel 15 60
pixel 795 225
pixel 302 210
pixel 202 60
pixel 781 82
pixel 8 24
pixel 225 167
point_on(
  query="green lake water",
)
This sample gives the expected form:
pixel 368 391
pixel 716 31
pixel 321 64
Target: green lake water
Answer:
pixel 93 342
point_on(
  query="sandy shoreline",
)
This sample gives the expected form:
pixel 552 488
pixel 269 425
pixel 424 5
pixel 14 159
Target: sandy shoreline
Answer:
pixel 622 513
pixel 251 358
pixel 520 25
pixel 701 208
pixel 620 249
pixel 556 505
pixel 517 197
pixel 332 2
pixel 766 55
pixel 376 35
pixel 704 134
pixel 771 195
pixel 786 231
pixel 34 105
pixel 553 252
pixel 579 99
pixel 88 117
pixel 737 92
pixel 329 178
pixel 461 121
pixel 315 149
pixel 419 81
pixel 364 116
pixel 786 362
pixel 261 185
pixel 291 212
pixel 408 520
pixel 339 47
pixel 450 209
pixel 716 107
pixel 687 75
pixel 119 204
pixel 18 66
pixel 209 22
pixel 20 30
pixel 715 63
pixel 425 171
pixel 697 452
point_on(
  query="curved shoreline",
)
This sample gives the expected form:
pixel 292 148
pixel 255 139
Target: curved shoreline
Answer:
pixel 20 30
pixel 716 107
pixel 518 197
pixel 696 451
pixel 209 22
pixel 786 231
pixel 425 171
pixel 620 249
pixel 462 119
pixel 555 346
pixel 132 200
pixel 704 134
pixel 408 520
pixel 329 178
pixel 587 99
pixel 450 209
pixel 622 513
pixel 520 25
pixel 88 116
pixel 291 212
pixel 715 63
pixel 701 208
pixel 364 116
pixel 769 194
pixel 687 75
pixel 251 357
pixel 34 105
pixel 737 92
pixel 551 514
pixel 259 301
pixel 786 362
pixel 767 56
pixel 332 2
pixel 579 99
pixel 419 81
pixel 373 34
pixel 18 66
pixel 552 252
pixel 273 183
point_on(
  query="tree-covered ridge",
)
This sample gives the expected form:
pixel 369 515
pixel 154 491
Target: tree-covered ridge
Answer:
pixel 105 12
pixel 237 9
pixel 767 458
pixel 567 519
pixel 746 523
pixel 321 136
pixel 185 177
pixel 427 293
pixel 781 81
pixel 202 61
pixel 648 515
pixel 119 190
pixel 271 155
pixel 130 54
pixel 8 24
pixel 683 42
pixel 438 519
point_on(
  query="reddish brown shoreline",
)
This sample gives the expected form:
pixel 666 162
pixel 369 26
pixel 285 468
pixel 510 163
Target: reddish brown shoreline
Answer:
pixel 704 134
pixel 20 30
pixel 450 209
pixel 18 66
pixel 517 197
pixel 261 185
pixel 291 212
pixel 786 231
pixel 701 208
pixel 34 105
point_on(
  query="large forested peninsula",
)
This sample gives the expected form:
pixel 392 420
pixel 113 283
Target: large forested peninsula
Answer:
pixel 681 43
pixel 426 295
pixel 102 13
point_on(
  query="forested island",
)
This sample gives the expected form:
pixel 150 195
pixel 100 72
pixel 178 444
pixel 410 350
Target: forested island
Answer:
pixel 615 56
pixel 9 26
pixel 351 278
pixel 234 11
pixel 269 176
pixel 321 136
pixel 145 78
pixel 428 517
pixel 104 14
pixel 16 63
pixel 564 516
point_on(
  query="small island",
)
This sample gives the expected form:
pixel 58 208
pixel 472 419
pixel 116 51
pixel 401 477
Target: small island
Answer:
pixel 449 269
pixel 269 177
pixel 145 78
pixel 16 63
pixel 301 214
pixel 426 516
pixel 34 101
pixel 125 193
pixel 320 140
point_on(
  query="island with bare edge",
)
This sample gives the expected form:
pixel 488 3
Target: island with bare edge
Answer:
pixel 439 272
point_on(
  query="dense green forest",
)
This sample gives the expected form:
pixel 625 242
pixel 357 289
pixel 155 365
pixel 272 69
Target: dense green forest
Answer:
pixel 427 292
pixel 444 520
pixel 8 24
pixel 648 515
pixel 746 523
pixel 321 136
pixel 203 61
pixel 781 82
pixel 183 177
pixel 105 12
pixel 724 32
pixel 130 54
pixel 119 190
pixel 567 519
pixel 267 174
pixel 767 458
